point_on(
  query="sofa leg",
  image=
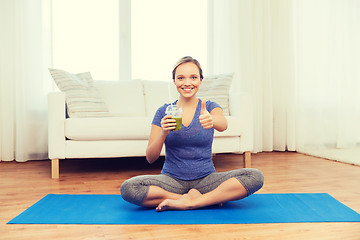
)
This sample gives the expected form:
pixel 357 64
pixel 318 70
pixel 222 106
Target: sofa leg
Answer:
pixel 55 168
pixel 247 159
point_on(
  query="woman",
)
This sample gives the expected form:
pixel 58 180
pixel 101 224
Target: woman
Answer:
pixel 188 179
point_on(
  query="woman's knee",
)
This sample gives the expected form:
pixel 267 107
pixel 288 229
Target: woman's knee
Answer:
pixel 252 179
pixel 258 178
pixel 133 191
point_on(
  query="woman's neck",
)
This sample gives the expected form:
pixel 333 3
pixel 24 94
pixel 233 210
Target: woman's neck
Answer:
pixel 188 102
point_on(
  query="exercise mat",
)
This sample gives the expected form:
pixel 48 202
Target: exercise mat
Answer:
pixel 257 208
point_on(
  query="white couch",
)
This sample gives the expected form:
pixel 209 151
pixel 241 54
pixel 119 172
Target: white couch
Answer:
pixel 132 105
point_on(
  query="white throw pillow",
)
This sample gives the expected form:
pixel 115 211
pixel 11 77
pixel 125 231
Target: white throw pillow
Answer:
pixel 82 98
pixel 216 88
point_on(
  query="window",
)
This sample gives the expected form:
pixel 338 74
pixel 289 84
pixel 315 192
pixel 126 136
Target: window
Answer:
pixel 97 36
pixel 85 37
pixel 163 31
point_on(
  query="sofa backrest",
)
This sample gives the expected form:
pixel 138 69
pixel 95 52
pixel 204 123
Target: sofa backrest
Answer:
pixel 136 98
pixel 156 94
pixel 123 98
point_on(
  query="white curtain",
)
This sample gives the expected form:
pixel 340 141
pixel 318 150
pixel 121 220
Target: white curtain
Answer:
pixel 299 60
pixel 24 80
pixel 327 59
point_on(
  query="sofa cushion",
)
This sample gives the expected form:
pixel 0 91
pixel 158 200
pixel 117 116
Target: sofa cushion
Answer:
pixel 82 98
pixel 234 128
pixel 111 128
pixel 156 94
pixel 123 98
pixel 125 128
pixel 216 88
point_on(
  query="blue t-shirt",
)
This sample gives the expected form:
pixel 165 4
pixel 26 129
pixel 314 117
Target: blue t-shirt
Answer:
pixel 188 152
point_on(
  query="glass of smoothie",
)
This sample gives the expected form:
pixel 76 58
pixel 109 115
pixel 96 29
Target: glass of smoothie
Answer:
pixel 176 113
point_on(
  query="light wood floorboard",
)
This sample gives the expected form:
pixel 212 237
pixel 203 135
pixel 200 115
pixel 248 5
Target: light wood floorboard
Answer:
pixel 22 184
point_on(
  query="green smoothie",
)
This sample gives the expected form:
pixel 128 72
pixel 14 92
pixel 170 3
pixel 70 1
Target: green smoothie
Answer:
pixel 178 123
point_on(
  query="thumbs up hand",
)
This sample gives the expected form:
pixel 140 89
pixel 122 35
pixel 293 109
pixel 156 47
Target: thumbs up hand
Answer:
pixel 205 117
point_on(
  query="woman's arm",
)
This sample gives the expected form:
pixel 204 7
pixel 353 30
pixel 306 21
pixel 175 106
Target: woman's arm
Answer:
pixel 157 138
pixel 220 122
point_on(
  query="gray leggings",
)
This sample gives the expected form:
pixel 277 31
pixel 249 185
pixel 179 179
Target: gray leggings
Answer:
pixel 135 190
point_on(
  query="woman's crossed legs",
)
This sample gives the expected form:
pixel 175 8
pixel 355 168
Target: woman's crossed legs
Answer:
pixel 167 193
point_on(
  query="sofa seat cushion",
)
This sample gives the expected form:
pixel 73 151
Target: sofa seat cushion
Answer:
pixel 234 128
pixel 111 128
pixel 126 128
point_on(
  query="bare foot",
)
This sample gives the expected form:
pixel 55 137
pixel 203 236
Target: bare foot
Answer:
pixel 170 204
pixel 194 193
pixel 183 203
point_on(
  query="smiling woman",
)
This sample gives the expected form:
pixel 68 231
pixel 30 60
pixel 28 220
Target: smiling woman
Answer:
pixel 188 179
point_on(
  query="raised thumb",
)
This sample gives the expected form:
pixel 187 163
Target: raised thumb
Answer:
pixel 203 105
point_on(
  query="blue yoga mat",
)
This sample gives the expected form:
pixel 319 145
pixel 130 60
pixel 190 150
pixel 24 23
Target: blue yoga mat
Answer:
pixel 257 208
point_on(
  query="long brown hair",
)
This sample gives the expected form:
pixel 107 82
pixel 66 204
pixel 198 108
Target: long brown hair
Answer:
pixel 185 60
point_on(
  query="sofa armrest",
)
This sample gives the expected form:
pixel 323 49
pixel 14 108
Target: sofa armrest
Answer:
pixel 241 106
pixel 56 125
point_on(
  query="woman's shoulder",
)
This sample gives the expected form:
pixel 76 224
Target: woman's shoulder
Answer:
pixel 161 110
pixel 210 105
pixel 164 106
pixel 159 114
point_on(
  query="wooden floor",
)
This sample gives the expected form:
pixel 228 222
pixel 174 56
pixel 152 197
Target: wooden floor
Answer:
pixel 22 184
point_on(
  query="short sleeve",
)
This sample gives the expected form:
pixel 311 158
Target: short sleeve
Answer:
pixel 160 113
pixel 211 105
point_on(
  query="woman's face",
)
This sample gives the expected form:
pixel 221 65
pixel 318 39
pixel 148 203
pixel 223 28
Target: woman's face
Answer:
pixel 187 79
